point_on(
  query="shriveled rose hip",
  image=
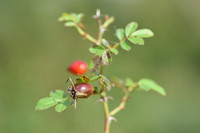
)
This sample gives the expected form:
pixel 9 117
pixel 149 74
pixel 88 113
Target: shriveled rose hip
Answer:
pixel 83 90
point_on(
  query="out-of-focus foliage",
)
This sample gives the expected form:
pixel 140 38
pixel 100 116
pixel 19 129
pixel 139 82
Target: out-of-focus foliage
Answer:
pixel 35 50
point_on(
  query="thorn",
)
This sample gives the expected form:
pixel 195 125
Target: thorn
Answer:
pixel 111 118
pixel 103 30
pixel 108 98
pixel 97 15
pixel 105 99
pixel 100 100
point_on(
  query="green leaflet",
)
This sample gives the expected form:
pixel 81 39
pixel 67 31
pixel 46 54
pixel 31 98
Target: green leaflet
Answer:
pixel 45 103
pixel 61 106
pixel 136 40
pixel 114 50
pixel 98 50
pixel 120 35
pixel 69 24
pixel 144 33
pixel 130 28
pixel 147 84
pixel 58 95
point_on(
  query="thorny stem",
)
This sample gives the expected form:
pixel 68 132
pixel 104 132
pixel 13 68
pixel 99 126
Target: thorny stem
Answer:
pixel 121 106
pixel 102 27
pixel 85 34
pixel 106 111
pixel 105 105
pixel 100 35
pixel 108 21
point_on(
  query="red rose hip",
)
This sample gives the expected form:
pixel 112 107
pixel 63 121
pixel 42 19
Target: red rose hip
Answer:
pixel 83 90
pixel 78 67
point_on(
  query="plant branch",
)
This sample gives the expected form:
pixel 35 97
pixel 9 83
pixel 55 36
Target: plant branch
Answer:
pixel 94 79
pixel 100 35
pixel 108 21
pixel 105 104
pixel 106 111
pixel 116 45
pixel 85 34
pixel 103 27
pixel 121 106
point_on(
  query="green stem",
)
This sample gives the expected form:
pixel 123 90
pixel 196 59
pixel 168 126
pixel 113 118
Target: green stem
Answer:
pixel 94 79
pixel 116 45
pixel 107 114
pixel 108 22
pixel 105 105
pixel 121 105
pixel 100 35
pixel 85 34
pixel 123 101
pixel 103 27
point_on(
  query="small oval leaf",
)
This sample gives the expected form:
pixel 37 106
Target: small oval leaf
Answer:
pixel 147 84
pixel 98 50
pixel 105 43
pixel 136 40
pixel 45 103
pixel 126 46
pixel 58 95
pixel 120 34
pixel 69 24
pixel 114 50
pixel 61 106
pixel 130 28
pixel 129 83
pixel 144 33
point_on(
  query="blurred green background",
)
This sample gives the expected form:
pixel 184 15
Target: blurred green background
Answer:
pixel 35 50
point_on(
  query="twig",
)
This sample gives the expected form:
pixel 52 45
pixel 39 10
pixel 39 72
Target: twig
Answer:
pixel 102 27
pixel 105 104
pixel 85 34
pixel 123 101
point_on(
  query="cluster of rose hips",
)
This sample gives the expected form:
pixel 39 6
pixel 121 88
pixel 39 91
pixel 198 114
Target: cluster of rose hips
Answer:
pixel 82 90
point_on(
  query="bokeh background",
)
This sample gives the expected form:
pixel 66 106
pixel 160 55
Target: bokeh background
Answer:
pixel 35 50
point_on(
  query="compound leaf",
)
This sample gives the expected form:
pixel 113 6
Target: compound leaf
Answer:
pixel 61 106
pixel 98 50
pixel 58 95
pixel 45 103
pixel 147 84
